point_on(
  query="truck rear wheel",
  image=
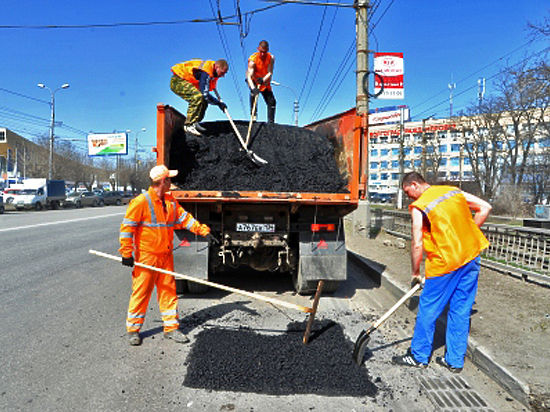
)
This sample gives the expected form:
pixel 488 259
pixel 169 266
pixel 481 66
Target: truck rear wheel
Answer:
pixel 196 288
pixel 301 286
pixel 181 286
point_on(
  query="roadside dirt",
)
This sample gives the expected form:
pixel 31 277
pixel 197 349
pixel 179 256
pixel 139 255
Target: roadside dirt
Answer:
pixel 510 318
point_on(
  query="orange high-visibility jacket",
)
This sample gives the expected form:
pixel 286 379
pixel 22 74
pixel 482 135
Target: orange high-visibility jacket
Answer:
pixel 186 71
pixel 147 228
pixel 261 68
pixel 451 238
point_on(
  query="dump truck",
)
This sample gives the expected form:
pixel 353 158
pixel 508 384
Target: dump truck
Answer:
pixel 300 233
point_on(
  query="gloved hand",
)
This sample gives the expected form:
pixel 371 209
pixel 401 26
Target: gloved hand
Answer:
pixel 417 279
pixel 260 80
pixel 128 261
pixel 222 106
pixel 212 239
pixel 255 91
pixel 203 230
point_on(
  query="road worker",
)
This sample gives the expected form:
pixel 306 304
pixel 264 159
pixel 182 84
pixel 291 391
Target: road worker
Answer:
pixel 258 77
pixel 193 81
pixel 146 236
pixel 443 228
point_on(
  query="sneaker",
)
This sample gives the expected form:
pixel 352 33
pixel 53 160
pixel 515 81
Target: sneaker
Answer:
pixel 408 360
pixel 441 361
pixel 177 336
pixel 134 339
pixel 200 128
pixel 192 129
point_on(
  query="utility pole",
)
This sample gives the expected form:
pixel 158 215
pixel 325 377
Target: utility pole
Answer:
pixel 362 97
pixel 401 157
pixel 452 86
pixel 480 91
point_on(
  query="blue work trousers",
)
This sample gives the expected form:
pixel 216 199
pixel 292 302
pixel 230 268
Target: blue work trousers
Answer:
pixel 458 289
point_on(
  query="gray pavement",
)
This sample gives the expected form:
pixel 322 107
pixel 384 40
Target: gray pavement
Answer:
pixel 510 324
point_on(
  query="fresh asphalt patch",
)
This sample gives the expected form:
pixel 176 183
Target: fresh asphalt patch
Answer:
pixel 246 361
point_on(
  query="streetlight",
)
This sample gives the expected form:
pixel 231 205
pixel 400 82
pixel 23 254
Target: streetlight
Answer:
pixel 273 82
pixel 52 122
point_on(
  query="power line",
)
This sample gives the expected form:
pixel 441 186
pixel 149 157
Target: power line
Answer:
pixel 23 95
pixel 225 46
pixel 129 24
pixel 489 78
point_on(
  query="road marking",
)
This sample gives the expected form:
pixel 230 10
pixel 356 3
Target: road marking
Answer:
pixel 60 222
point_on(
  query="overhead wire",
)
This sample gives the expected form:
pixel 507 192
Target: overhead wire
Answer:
pixel 314 78
pixel 488 78
pixel 225 46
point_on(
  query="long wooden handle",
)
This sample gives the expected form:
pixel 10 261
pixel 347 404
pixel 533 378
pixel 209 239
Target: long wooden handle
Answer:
pixel 211 284
pixel 251 120
pixel 397 304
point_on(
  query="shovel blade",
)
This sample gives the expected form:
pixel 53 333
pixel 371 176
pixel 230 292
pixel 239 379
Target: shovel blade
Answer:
pixel 361 346
pixel 255 158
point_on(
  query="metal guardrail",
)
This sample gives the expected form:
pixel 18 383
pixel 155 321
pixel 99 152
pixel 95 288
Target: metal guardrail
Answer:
pixel 519 251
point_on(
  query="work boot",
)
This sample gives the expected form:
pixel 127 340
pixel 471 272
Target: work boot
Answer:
pixel 177 336
pixel 134 339
pixel 408 360
pixel 192 129
pixel 441 361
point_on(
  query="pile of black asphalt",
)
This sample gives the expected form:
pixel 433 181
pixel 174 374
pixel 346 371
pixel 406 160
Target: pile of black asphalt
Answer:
pixel 299 160
pixel 246 361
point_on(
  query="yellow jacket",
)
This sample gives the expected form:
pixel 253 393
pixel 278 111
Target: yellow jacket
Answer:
pixel 450 238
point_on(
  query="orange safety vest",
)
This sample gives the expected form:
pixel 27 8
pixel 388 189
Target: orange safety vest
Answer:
pixel 148 228
pixel 261 68
pixel 451 238
pixel 186 71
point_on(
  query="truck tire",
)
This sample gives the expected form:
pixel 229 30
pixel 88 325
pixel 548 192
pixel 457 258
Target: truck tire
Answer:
pixel 38 206
pixel 197 288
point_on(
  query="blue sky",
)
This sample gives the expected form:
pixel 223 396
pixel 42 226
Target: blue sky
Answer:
pixel 117 75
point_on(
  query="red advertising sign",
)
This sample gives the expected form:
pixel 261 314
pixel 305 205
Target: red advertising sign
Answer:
pixel 390 67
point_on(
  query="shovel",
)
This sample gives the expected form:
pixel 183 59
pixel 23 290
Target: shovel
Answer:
pixel 251 119
pixel 364 337
pixel 251 155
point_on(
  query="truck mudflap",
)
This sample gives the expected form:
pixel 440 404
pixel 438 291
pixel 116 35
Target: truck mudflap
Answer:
pixel 190 258
pixel 322 256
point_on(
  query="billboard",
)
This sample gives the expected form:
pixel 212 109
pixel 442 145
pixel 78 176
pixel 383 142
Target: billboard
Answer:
pixel 390 67
pixel 106 144
pixel 391 114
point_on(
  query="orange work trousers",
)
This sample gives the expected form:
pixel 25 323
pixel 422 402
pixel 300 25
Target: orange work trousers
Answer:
pixel 143 282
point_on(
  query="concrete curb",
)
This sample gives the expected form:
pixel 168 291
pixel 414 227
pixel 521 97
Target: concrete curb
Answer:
pixel 477 354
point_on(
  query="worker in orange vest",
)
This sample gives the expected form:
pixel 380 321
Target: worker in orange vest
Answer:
pixel 443 229
pixel 193 81
pixel 258 77
pixel 146 236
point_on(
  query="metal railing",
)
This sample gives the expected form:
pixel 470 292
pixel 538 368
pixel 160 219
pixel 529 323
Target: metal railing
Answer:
pixel 519 251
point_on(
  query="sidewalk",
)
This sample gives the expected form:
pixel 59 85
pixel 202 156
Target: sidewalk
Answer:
pixel 510 332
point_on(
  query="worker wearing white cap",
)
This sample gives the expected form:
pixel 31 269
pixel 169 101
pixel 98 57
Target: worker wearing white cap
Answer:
pixel 146 236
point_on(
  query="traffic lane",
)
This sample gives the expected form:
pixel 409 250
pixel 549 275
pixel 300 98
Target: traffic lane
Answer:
pixel 13 220
pixel 58 303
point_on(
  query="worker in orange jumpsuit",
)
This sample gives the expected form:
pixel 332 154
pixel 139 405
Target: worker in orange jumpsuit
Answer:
pixel 146 236
pixel 443 228
pixel 259 76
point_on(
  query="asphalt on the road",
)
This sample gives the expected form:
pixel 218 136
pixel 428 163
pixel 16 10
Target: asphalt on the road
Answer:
pixel 299 160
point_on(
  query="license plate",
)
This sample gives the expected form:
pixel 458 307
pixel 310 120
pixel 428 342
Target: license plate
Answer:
pixel 256 227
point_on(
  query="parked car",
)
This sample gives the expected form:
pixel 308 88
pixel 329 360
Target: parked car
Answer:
pixel 112 198
pixel 127 196
pixel 80 199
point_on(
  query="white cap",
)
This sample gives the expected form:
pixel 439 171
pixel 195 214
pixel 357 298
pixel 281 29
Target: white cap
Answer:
pixel 160 172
